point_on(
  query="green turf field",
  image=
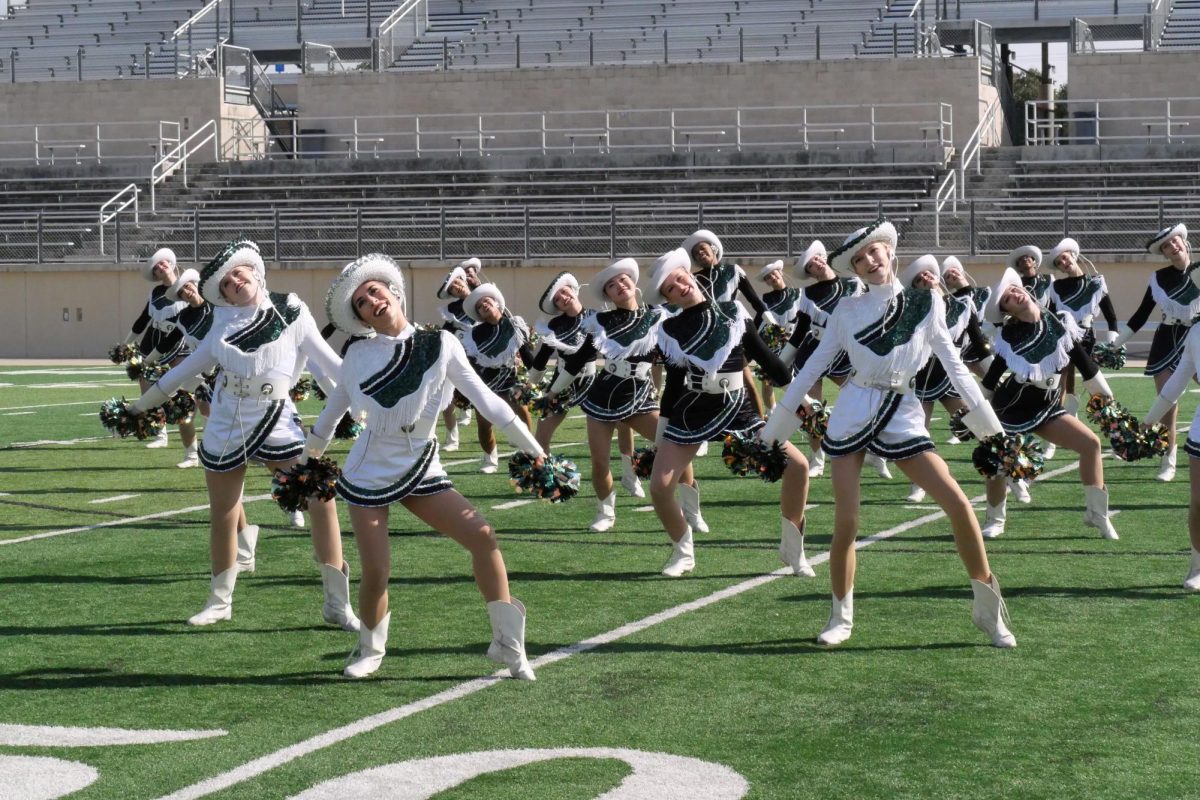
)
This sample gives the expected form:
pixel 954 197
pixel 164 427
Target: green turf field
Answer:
pixel 730 692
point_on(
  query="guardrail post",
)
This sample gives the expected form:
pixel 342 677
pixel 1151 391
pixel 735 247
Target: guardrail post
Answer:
pixel 42 211
pixel 1037 10
pixel 146 65
pixel 368 19
pixel 358 239
pixel 231 41
pixel 971 228
pixel 117 219
pixel 79 61
pixel 445 53
pixel 196 235
pixel 895 40
pixel 591 49
pixel 741 45
pixel 442 232
pixel 612 231
pixel 1066 217
pixel 788 249
pixel 818 38
pixel 299 34
pixel 1160 213
pixel 275 229
pixel 526 232
pixel 666 51
pixel 518 39
pixel 700 214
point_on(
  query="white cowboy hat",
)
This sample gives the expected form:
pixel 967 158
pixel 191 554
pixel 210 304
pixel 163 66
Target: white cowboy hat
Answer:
pixel 1028 250
pixel 916 267
pixel 699 236
pixel 1067 245
pixel 1154 246
pixel 624 266
pixel 546 302
pixel 878 231
pixel 478 293
pixel 664 265
pixel 188 276
pixel 236 253
pixel 371 267
pixel 443 292
pixel 774 266
pixel 991 311
pixel 162 254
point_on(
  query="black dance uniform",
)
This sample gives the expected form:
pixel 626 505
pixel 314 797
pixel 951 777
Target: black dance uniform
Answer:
pixel 932 382
pixel 706 348
pixel 1174 291
pixel 156 325
pixel 722 283
pixel 1082 296
pixel 1035 353
pixel 566 335
pixel 817 303
pixel 494 349
pixel 979 295
pixel 628 341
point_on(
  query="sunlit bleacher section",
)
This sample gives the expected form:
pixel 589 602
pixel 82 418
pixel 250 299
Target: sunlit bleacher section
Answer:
pixel 1182 30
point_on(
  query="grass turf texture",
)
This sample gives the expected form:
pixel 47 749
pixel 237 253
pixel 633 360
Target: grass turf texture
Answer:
pixel 1095 702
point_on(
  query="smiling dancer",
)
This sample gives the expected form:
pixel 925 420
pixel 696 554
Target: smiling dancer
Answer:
pixel 888 333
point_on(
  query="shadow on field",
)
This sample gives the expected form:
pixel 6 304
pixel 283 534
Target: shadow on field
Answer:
pixel 1163 591
pixel 103 678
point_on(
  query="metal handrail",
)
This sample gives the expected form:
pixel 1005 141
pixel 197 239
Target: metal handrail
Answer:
pixel 971 150
pixel 389 24
pixel 124 204
pixel 179 156
pixel 1114 120
pixel 947 192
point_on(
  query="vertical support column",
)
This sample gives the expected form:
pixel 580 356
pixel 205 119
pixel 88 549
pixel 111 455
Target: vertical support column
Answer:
pixel 358 232
pixel 275 229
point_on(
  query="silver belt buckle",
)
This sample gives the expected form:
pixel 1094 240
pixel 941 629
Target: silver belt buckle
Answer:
pixel 266 390
pixel 236 385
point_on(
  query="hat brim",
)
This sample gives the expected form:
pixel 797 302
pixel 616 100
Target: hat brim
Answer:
pixel 774 266
pixel 338 301
pixel 162 254
pixel 881 231
pixel 210 279
pixel 1021 252
pixel 188 276
pixel 919 265
pixel 666 264
pixel 702 236
pixel 1154 246
pixel 443 292
pixel 478 293
pixel 1067 245
pixel 991 310
pixel 546 301
pixel 626 266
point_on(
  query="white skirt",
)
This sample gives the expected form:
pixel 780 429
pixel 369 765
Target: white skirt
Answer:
pixel 888 424
pixel 381 470
pixel 238 430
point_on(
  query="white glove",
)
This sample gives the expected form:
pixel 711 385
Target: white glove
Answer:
pixel 1110 337
pixel 769 318
pixel 982 421
pixel 314 445
pixel 131 337
pixel 562 382
pixel 987 329
pixel 782 422
pixel 535 376
pixel 153 398
pixel 788 354
pixel 986 364
pixel 987 393
pixel 520 437
pixel 1098 385
pixel 1159 410
pixel 1124 334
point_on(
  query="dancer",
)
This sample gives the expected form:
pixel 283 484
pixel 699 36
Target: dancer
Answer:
pixel 156 327
pixel 976 354
pixel 455 288
pixel 1026 261
pixel 393 379
pixel 623 393
pixel 1035 346
pixel 494 344
pixel 783 302
pixel 1082 297
pixel 932 382
pixel 257 341
pixel 563 334
pixel 1173 289
pixel 822 290
pixel 707 346
pixel 888 333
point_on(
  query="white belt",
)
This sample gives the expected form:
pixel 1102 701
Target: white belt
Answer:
pixel 1049 382
pixel 897 383
pixel 628 369
pixel 1173 321
pixel 246 388
pixel 718 383
pixel 1086 322
pixel 589 369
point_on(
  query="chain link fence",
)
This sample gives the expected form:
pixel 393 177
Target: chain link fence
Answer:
pixel 984 227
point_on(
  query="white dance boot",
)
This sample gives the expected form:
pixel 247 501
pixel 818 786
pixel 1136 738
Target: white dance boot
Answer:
pixel 508 638
pixel 1048 450
pixel 1096 515
pixel 247 541
pixel 791 549
pixel 219 605
pixel 451 440
pixel 159 442
pixel 989 613
pixel 629 478
pixel 1166 467
pixel 1020 490
pixel 490 462
pixel 606 513
pixel 993 522
pixel 295 518
pixel 337 610
pixel 879 465
pixel 703 450
pixel 915 493
pixel 191 457
pixel 368 654
pixel 1192 582
pixel 816 463
pixel 464 416
pixel 1071 404
pixel 841 621
pixel 683 556
pixel 689 499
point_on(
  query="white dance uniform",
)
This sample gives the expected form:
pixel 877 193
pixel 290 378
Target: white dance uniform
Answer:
pixel 877 409
pixel 394 385
pixel 1187 369
pixel 260 352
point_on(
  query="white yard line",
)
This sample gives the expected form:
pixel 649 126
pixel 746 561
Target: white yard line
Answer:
pixel 16 413
pixel 112 499
pixel 45 442
pixel 288 754
pixel 66 371
pixel 125 521
pixel 95 403
pixel 511 504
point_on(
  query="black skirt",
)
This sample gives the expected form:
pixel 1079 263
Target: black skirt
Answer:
pixel 705 417
pixel 932 382
pixel 839 368
pixel 500 380
pixel 614 399
pixel 1166 348
pixel 1023 408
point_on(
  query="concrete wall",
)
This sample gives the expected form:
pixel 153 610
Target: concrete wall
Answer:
pixel 1123 80
pixel 101 302
pixel 681 86
pixel 69 112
